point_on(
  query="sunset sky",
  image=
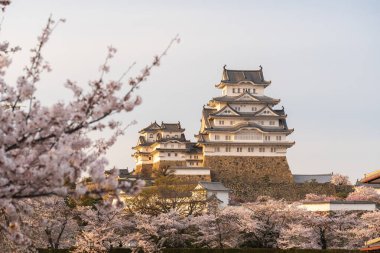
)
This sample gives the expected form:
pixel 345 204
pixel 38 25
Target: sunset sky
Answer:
pixel 323 58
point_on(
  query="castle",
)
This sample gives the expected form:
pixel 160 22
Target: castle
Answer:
pixel 242 136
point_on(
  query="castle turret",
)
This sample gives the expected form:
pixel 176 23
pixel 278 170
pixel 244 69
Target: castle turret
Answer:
pixel 165 146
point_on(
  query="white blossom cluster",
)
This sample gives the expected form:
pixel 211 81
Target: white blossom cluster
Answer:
pixel 45 150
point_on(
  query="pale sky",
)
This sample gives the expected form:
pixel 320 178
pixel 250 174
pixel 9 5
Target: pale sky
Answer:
pixel 322 57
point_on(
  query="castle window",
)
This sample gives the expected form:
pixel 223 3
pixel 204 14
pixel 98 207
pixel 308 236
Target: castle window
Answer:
pixel 272 150
pixel 249 90
pixel 254 109
pixel 250 149
pixel 253 91
pixel 267 138
pixel 261 150
pixel 272 123
pixel 151 136
pixel 167 136
pixel 150 158
pixel 238 90
pixel 195 157
pixel 278 138
pixel 228 137
pixel 175 154
pixel 216 137
pixel 233 90
pixel 228 149
pixel 191 163
pixel 176 135
pixel 232 122
pixel 221 122
pixel 248 135
pixel 262 123
pixel 239 149
pixel 196 163
pixel 169 154
pixel 237 108
pixel 216 149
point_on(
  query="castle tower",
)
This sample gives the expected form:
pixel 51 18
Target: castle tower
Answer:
pixel 165 146
pixel 243 136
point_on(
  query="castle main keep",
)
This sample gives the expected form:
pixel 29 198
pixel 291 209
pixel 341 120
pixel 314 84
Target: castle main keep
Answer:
pixel 243 136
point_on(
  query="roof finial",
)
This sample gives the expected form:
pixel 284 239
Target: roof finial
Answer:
pixel 261 67
pixel 224 67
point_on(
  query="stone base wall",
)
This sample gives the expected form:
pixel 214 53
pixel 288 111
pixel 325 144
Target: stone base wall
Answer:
pixel 248 170
pixel 144 170
pixel 194 178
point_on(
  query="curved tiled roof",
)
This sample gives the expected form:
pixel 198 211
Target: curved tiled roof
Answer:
pixel 235 76
pixel 168 127
pixel 251 125
pixel 261 99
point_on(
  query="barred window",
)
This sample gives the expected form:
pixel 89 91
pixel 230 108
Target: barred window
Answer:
pixel 248 135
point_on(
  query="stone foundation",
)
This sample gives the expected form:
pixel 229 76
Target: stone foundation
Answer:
pixel 194 178
pixel 144 170
pixel 247 170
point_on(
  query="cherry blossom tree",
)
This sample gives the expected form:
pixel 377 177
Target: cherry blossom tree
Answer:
pixel 44 150
pixel 315 197
pixel 340 180
pixel 103 228
pixel 218 229
pixel 364 193
pixel 297 236
pixel 268 216
pixel 166 230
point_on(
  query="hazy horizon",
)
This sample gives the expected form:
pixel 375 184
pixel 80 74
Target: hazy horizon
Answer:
pixel 321 56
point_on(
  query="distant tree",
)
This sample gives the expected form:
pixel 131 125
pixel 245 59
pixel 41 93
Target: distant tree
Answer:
pixel 340 180
pixel 315 197
pixel 166 194
pixel 166 230
pixel 267 217
pixel 364 193
pixel 218 229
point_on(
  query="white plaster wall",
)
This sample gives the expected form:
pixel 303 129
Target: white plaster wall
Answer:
pixel 324 207
pixel 353 207
pixel 192 172
pixel 222 195
pixel 256 151
pixel 259 90
pixel 164 156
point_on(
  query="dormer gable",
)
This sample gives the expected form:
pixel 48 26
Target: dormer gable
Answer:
pixel 246 97
pixel 267 111
pixel 227 110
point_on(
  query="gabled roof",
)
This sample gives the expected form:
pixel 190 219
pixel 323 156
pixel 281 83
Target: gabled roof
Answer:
pixel 319 178
pixel 235 76
pixel 167 127
pixel 282 128
pixel 172 127
pixel 213 186
pixel 152 127
pixel 226 110
pixel 267 108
